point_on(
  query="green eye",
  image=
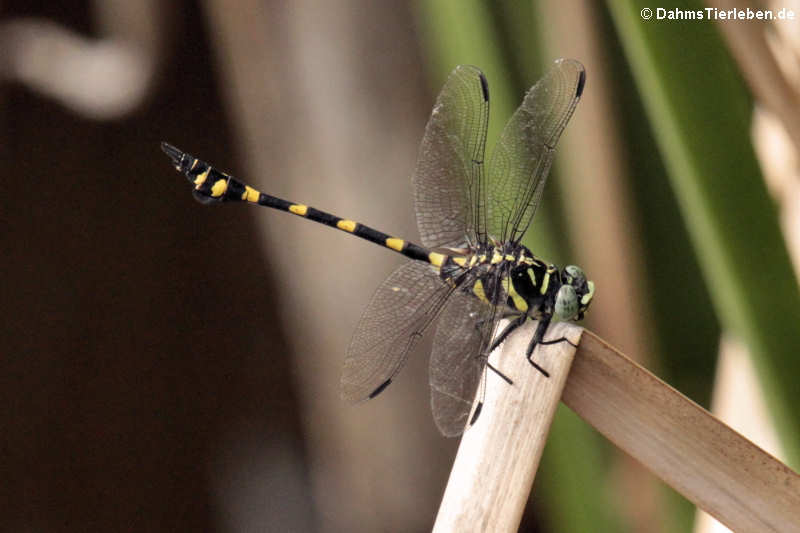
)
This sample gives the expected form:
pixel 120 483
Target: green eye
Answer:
pixel 574 276
pixel 566 302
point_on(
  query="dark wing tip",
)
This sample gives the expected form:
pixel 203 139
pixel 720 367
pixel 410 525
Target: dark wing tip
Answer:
pixel 577 66
pixel 380 389
pixel 476 414
pixel 472 70
pixel 581 83
pixel 484 87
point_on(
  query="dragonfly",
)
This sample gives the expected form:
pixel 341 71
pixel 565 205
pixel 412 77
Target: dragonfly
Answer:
pixel 471 270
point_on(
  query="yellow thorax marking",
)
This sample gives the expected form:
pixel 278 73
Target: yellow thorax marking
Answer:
pixel 250 194
pixel 532 275
pixel 201 178
pixel 460 261
pixel 219 188
pixel 588 296
pixel 299 209
pixel 545 282
pixel 346 225
pixel 519 302
pixel 436 259
pixel 475 258
pixel 478 291
pixel 509 257
pixel 395 244
pixel 194 164
pixel 496 257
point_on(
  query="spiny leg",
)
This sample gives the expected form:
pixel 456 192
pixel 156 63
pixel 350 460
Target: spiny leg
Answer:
pixel 517 321
pixel 490 366
pixel 514 324
pixel 494 345
pixel 538 338
pixel 496 371
pixel 541 328
pixel 559 340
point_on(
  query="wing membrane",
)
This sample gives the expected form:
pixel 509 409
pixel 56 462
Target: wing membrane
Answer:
pixel 400 310
pixel 448 180
pixel 523 155
pixel 455 207
pixel 458 359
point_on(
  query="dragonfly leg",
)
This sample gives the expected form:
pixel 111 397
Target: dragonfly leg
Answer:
pixel 558 340
pixel 496 371
pixel 496 343
pixel 514 324
pixel 537 339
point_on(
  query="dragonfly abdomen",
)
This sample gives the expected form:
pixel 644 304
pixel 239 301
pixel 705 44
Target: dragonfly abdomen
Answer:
pixel 212 186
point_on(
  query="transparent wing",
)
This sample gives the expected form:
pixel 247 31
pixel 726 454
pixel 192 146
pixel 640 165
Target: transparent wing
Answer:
pixel 400 310
pixel 458 359
pixel 448 180
pixel 524 153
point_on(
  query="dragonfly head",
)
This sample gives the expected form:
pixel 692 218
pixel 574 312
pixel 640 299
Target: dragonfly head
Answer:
pixel 574 295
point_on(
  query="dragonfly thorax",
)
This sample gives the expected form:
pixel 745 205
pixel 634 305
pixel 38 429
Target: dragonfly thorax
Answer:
pixel 511 276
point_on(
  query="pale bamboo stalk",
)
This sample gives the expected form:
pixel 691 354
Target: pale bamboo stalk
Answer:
pixel 739 401
pixel 748 43
pixel 720 471
pixel 497 459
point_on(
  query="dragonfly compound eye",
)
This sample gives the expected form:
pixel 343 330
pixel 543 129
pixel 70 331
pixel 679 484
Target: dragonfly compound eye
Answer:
pixel 572 275
pixel 566 302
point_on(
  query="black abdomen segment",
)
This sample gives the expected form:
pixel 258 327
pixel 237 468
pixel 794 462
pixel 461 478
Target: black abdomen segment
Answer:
pixel 212 186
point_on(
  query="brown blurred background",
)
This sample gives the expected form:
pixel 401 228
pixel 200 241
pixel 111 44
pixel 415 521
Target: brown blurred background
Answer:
pixel 146 375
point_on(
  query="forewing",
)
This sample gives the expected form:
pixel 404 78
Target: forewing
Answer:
pixel 523 155
pixel 448 181
pixel 400 310
pixel 457 360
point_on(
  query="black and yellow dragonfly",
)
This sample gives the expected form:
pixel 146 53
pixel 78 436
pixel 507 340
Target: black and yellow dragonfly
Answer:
pixel 471 269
